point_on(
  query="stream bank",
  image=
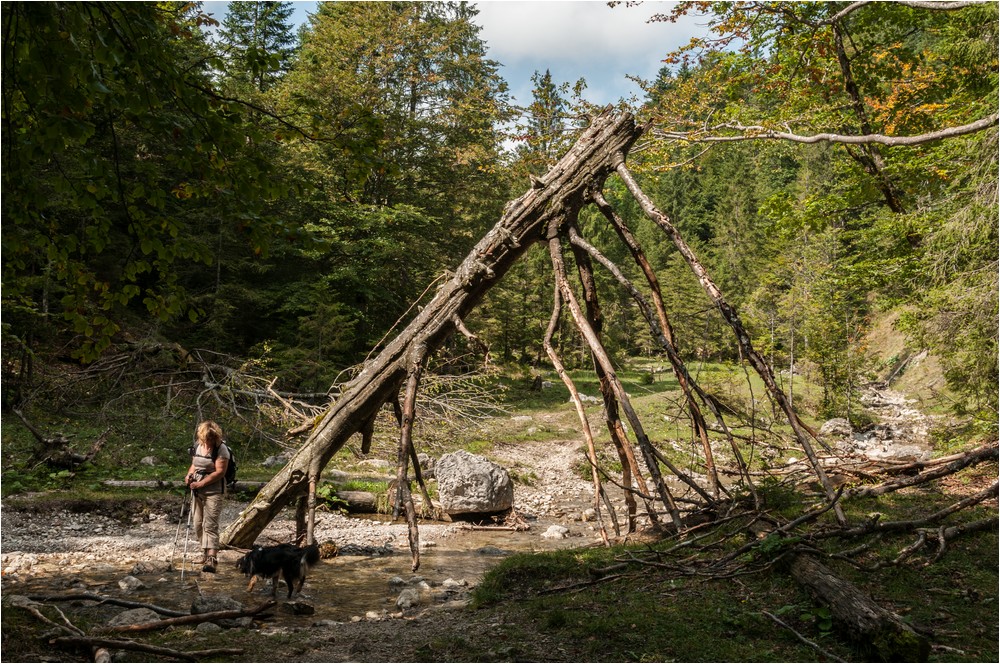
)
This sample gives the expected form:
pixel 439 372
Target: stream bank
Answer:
pixel 74 548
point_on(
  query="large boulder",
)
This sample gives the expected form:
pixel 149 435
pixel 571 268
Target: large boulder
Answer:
pixel 471 484
pixel 838 427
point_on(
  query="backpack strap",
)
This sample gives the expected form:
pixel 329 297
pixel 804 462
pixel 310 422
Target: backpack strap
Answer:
pixel 215 455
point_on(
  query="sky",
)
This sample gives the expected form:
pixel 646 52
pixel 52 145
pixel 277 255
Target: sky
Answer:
pixel 572 39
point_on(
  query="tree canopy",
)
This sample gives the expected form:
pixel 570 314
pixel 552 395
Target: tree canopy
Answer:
pixel 288 195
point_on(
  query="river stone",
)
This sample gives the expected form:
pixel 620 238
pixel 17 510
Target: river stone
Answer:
pixel 838 426
pixel 279 460
pixel 452 585
pixel 376 464
pixel 213 603
pixel 150 567
pixel 408 599
pixel 471 484
pixel 326 623
pixel 427 464
pixel 556 532
pixel 490 550
pixel 130 584
pixel 207 628
pixel 298 608
pixel 138 616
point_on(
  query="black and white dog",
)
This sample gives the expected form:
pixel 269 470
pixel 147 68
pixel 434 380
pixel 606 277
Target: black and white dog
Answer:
pixel 286 560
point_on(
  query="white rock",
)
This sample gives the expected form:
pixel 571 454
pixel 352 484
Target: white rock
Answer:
pixel 555 532
pixel 130 583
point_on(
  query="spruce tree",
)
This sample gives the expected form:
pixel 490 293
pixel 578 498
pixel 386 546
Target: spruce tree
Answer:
pixel 259 42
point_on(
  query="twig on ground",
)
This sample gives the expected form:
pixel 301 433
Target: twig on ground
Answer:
pixel 811 644
pixel 106 600
pixel 121 644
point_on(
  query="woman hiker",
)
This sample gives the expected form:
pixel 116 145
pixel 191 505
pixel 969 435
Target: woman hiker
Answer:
pixel 207 479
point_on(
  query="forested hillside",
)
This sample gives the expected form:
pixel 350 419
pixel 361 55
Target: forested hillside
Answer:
pixel 283 198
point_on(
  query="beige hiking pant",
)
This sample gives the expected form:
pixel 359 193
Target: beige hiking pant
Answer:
pixel 206 519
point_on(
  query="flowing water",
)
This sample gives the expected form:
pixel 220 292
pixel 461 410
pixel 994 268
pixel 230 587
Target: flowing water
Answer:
pixel 338 589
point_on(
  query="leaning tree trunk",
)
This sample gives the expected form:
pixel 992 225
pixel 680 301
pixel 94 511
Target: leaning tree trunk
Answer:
pixel 554 198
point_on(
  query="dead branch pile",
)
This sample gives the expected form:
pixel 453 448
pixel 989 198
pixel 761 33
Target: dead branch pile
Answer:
pixel 70 637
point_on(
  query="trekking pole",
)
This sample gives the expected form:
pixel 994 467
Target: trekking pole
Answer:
pixel 177 533
pixel 187 536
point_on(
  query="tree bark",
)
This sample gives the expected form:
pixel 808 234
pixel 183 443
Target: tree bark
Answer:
pixel 581 413
pixel 554 198
pixel 124 644
pixel 189 619
pixel 600 356
pixel 864 620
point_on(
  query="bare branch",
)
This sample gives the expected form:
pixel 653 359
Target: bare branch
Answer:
pixel 970 459
pixel 811 644
pixel 732 318
pixel 578 404
pixel 124 644
pixel 73 597
pixel 757 132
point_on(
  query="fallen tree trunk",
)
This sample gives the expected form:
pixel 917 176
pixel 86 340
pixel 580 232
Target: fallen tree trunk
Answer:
pixel 552 200
pixel 858 614
pixel 359 502
pixel 979 455
pixel 189 619
pixel 135 646
pixel 175 484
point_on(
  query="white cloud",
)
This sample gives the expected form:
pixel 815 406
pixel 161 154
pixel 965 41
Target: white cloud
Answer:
pixel 573 39
pixel 529 30
pixel 578 39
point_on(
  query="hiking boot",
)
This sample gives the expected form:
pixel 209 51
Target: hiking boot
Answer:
pixel 210 563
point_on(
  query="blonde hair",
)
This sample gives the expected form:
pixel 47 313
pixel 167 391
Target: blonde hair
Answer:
pixel 209 433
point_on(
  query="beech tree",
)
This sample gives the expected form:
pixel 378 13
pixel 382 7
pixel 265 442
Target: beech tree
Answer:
pixel 901 94
pixel 115 163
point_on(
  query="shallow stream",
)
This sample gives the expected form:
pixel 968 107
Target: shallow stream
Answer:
pixel 338 589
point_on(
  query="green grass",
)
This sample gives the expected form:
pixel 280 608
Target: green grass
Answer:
pixel 655 614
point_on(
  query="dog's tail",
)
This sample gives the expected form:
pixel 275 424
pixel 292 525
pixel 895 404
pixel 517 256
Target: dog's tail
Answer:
pixel 310 555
